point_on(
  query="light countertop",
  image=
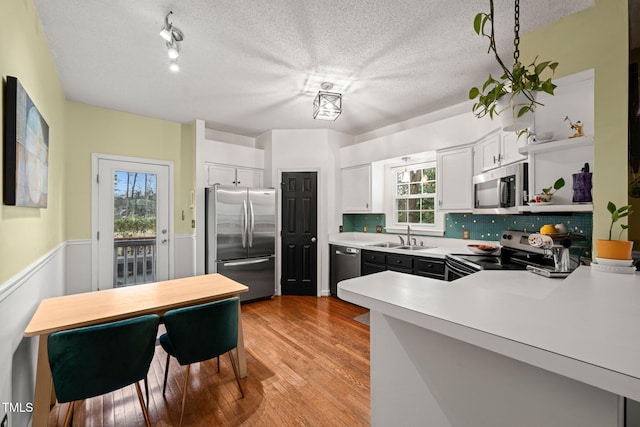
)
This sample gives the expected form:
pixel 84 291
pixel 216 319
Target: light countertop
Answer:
pixel 585 327
pixel 435 247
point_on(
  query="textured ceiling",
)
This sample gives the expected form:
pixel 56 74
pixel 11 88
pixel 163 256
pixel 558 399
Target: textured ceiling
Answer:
pixel 251 66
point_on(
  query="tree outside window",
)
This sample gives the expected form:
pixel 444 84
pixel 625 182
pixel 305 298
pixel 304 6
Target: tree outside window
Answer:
pixel 415 192
pixel 134 205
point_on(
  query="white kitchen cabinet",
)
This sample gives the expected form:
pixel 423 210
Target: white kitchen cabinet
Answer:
pixel 497 149
pixel 248 177
pixel 231 175
pixel 455 179
pixel 361 189
pixel 487 153
pixel 509 144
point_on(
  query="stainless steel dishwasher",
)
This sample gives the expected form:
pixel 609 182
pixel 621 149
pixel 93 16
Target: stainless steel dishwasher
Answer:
pixel 344 264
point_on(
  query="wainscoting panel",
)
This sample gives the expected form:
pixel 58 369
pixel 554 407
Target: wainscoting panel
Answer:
pixel 66 269
pixel 19 298
pixel 78 262
pixel 185 255
pixel 78 266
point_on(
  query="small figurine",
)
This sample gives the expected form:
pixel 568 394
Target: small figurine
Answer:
pixel 576 127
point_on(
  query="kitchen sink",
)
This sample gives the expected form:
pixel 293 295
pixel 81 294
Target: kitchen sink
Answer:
pixel 414 247
pixel 386 245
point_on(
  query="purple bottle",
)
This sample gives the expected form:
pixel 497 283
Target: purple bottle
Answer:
pixel 582 187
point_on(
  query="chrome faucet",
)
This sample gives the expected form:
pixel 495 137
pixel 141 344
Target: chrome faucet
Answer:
pixel 409 235
pixel 401 240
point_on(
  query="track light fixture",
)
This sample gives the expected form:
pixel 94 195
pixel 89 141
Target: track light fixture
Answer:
pixel 173 36
pixel 173 50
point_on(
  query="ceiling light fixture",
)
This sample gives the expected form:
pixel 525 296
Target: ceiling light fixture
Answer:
pixel 173 50
pixel 327 105
pixel 173 36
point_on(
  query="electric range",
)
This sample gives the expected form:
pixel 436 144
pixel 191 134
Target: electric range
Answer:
pixel 515 254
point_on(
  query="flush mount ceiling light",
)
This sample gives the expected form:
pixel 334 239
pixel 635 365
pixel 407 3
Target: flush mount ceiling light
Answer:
pixel 327 105
pixel 173 36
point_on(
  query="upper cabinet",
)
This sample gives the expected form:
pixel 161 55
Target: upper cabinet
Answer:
pixel 361 189
pixel 231 175
pixel 496 149
pixel 249 177
pixel 455 180
pixel 509 147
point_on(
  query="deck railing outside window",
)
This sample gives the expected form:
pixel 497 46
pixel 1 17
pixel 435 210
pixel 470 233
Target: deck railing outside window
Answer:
pixel 134 261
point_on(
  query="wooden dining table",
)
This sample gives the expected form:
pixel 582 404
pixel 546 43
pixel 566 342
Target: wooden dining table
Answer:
pixel 92 308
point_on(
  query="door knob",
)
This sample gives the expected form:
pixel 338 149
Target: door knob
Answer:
pixel 313 240
pixel 164 241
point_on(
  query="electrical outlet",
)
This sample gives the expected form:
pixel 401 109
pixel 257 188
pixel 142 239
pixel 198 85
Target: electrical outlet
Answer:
pixel 5 421
pixel 465 234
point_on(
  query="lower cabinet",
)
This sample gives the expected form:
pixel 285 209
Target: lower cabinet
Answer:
pixel 400 263
pixel 429 267
pixel 375 262
pixel 372 262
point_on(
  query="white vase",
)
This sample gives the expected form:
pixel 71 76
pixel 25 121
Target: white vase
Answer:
pixel 508 108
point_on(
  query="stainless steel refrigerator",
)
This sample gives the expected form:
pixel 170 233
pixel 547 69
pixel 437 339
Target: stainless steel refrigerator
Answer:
pixel 241 235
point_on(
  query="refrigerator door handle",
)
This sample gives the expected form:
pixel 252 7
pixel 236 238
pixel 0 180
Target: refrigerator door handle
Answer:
pixel 243 226
pixel 253 261
pixel 252 223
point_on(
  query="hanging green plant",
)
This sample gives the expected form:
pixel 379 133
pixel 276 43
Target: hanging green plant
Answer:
pixel 517 87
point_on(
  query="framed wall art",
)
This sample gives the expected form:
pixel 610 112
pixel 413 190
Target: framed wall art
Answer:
pixel 26 149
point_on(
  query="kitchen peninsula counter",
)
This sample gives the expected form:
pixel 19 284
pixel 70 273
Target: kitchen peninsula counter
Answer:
pixel 501 347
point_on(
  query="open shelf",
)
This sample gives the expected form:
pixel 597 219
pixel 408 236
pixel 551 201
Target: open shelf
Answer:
pixel 560 144
pixel 582 207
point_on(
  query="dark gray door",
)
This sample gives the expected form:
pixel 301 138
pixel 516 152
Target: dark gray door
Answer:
pixel 299 233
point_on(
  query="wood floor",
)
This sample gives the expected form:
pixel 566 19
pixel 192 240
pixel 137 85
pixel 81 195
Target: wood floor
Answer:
pixel 307 363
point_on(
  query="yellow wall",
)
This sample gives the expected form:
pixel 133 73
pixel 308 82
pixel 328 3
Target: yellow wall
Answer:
pixel 595 38
pixel 28 233
pixel 98 130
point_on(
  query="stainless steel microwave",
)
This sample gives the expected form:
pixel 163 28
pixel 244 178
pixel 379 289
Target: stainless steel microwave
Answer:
pixel 502 190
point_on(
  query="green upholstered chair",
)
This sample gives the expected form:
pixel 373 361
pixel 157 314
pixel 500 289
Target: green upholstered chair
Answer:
pixel 96 360
pixel 199 333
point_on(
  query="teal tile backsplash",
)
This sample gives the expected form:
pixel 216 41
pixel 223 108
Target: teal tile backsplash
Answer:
pixel 483 227
pixel 490 227
pixel 357 222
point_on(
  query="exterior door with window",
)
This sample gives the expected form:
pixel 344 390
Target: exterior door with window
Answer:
pixel 133 223
pixel 299 233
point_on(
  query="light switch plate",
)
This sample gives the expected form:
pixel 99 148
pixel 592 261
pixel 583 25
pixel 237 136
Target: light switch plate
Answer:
pixel 465 234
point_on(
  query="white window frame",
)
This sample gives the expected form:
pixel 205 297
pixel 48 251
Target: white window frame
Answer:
pixel 437 229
